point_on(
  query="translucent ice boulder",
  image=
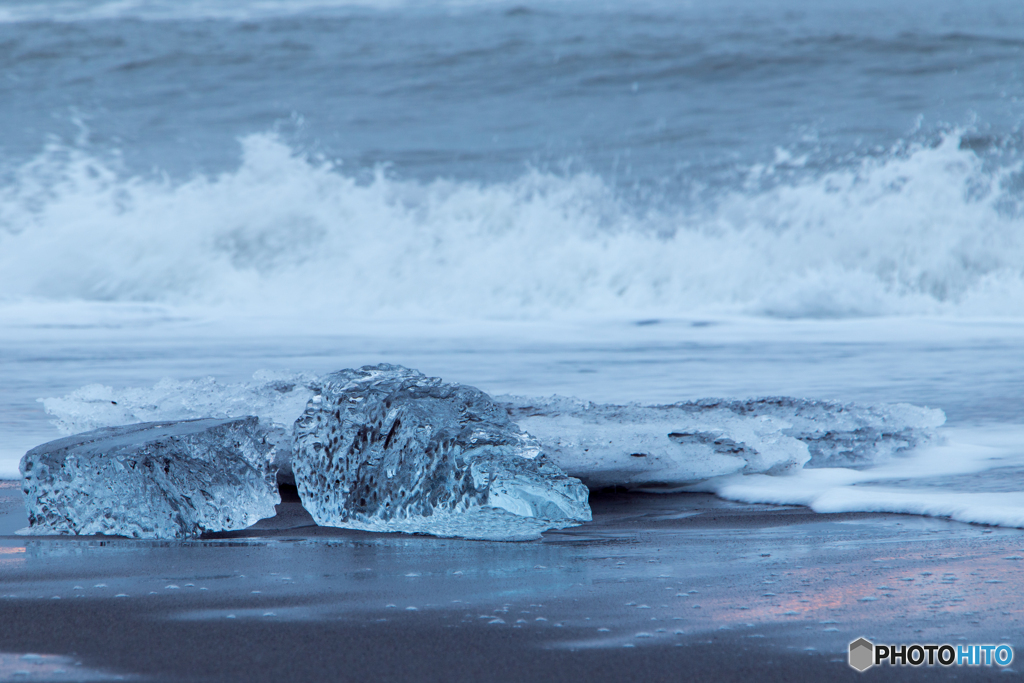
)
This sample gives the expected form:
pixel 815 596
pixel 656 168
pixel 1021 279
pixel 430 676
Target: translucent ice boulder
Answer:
pixel 670 446
pixel 152 480
pixel 385 448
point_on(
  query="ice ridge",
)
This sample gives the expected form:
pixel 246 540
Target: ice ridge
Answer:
pixel 669 446
pixel 605 445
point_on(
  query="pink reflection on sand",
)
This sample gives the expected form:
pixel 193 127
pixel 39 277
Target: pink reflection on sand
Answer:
pixel 940 591
pixel 32 667
pixel 11 556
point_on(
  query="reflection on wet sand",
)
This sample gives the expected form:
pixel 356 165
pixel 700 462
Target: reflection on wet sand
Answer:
pixel 650 571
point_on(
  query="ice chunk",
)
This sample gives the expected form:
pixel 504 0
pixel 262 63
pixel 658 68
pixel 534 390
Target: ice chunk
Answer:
pixel 385 448
pixel 152 480
pixel 675 445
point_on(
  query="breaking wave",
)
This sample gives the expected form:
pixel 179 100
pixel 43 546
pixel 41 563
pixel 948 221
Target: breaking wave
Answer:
pixel 932 229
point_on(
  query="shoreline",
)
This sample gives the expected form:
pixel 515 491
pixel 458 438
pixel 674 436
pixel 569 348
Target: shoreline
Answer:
pixel 658 586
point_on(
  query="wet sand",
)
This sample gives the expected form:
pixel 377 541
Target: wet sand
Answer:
pixel 656 588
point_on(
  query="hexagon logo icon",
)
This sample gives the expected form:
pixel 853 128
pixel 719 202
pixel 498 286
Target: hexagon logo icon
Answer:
pixel 862 654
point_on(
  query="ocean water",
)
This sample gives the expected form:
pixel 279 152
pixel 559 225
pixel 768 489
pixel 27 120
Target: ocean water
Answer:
pixel 644 202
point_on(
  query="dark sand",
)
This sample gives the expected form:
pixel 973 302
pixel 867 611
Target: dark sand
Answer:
pixel 657 588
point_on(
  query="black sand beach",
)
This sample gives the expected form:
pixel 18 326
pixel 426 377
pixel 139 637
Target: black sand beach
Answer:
pixel 657 588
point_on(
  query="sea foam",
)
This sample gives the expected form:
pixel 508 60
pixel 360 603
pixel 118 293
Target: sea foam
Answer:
pixel 926 229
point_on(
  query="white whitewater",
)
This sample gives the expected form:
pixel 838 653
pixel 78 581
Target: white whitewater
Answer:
pixel 919 230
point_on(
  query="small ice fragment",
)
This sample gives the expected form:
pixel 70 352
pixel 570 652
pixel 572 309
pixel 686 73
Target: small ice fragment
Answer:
pixel 603 630
pixel 412 574
pixel 100 585
pixel 644 634
pixel 230 616
pixel 269 614
pixel 171 587
pixel 121 595
pixel 540 619
pixel 496 620
pixel 868 598
pixel 410 608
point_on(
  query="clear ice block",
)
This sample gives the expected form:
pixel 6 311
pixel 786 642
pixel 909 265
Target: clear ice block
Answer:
pixel 152 480
pixel 385 448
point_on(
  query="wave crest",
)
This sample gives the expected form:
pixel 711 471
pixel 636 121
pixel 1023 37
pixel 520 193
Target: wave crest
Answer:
pixel 931 229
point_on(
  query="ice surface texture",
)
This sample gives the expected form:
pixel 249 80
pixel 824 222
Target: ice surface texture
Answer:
pixel 152 480
pixel 675 445
pixel 385 448
pixel 277 399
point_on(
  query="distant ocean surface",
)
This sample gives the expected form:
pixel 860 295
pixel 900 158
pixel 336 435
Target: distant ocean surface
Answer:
pixel 509 159
pixel 639 201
